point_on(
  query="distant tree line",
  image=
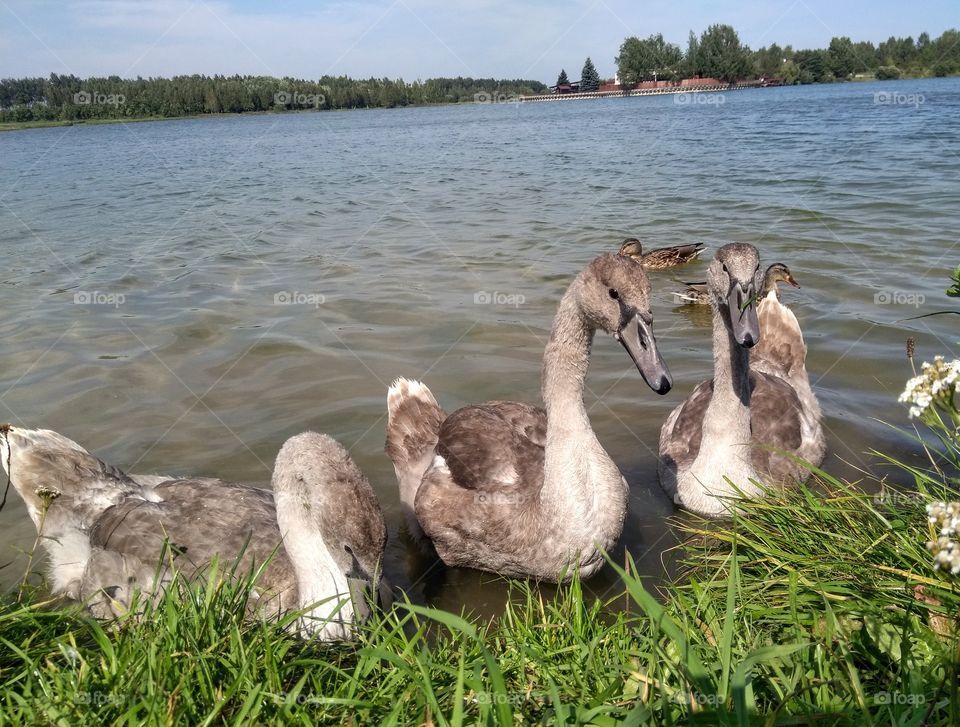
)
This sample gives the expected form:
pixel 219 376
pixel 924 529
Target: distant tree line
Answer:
pixel 67 98
pixel 718 53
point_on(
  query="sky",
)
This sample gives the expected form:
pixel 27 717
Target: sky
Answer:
pixel 410 39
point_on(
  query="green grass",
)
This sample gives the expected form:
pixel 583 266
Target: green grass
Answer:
pixel 802 610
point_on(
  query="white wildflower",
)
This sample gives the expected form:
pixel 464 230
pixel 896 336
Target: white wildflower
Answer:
pixel 935 385
pixel 946 551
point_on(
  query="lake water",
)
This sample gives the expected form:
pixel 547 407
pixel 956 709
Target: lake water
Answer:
pixel 146 267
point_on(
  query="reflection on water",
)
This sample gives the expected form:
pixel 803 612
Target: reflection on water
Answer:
pixel 182 296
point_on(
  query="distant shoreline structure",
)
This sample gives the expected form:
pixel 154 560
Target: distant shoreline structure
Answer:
pixel 653 88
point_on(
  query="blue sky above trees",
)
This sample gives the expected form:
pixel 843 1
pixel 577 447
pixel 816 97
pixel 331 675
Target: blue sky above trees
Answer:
pixel 409 38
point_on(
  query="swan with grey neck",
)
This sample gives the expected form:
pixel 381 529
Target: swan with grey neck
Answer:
pixel 739 428
pixel 320 532
pixel 514 489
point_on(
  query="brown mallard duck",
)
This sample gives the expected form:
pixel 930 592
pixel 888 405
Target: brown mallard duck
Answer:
pixel 696 293
pixel 662 257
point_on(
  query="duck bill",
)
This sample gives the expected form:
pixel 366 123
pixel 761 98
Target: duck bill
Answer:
pixel 743 314
pixel 792 282
pixel 637 337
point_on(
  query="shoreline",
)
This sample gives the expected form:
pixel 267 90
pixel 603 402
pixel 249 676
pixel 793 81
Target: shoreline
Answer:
pixel 6 126
pixel 9 126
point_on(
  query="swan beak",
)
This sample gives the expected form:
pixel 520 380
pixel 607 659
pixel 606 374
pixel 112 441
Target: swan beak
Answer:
pixel 636 335
pixel 743 314
pixel 361 593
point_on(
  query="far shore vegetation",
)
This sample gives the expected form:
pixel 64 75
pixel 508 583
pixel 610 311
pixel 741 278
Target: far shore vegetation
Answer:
pixel 715 53
pixel 718 53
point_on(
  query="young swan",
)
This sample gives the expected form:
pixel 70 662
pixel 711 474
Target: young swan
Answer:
pixel 513 489
pixel 734 429
pixel 104 530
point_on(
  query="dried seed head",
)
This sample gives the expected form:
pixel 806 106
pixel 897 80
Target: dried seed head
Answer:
pixel 47 494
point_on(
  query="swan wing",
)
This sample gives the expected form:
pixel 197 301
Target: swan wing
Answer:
pixel 496 446
pixel 781 420
pixel 42 463
pixel 201 519
pixel 681 433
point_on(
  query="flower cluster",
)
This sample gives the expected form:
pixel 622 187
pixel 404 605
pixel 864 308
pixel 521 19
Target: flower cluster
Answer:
pixel 934 386
pixel 946 550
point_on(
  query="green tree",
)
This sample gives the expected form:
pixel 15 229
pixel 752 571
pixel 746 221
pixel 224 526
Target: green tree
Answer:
pixel 814 66
pixel 562 79
pixel 631 62
pixel 668 58
pixel 721 55
pixel 768 61
pixel 650 58
pixel 589 78
pixel 690 57
pixel 789 72
pixel 843 59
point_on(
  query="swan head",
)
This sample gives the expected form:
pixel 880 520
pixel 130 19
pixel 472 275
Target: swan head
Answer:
pixel 613 294
pixel 734 280
pixel 329 517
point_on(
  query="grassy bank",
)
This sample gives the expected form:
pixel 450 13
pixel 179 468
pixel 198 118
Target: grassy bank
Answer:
pixel 815 608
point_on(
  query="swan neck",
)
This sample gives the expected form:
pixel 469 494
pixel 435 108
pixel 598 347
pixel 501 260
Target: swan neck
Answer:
pixel 318 575
pixel 565 363
pixel 731 361
pixel 582 486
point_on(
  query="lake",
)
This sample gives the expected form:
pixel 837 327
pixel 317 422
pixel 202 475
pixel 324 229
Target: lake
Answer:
pixel 181 296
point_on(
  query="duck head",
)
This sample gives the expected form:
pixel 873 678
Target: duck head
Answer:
pixel 777 273
pixel 631 247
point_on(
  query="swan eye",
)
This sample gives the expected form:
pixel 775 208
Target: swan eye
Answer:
pixel 348 549
pixel 614 293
